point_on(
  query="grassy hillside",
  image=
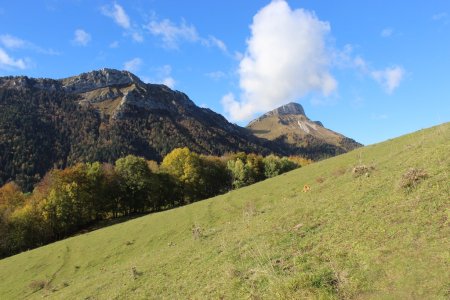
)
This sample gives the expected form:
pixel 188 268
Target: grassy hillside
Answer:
pixel 350 236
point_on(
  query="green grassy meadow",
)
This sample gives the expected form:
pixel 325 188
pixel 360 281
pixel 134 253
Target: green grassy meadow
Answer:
pixel 349 237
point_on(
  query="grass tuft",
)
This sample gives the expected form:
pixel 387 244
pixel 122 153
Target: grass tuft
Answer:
pixel 412 177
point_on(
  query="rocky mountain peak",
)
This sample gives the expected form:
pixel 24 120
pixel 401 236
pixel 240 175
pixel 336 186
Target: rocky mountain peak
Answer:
pixel 291 108
pixel 99 79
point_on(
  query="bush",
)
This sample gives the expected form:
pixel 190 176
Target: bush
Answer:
pixel 361 170
pixel 412 177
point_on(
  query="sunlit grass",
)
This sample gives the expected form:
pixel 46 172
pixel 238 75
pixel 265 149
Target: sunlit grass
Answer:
pixel 348 237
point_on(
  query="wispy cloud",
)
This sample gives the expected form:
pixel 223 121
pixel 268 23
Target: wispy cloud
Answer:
pixel 216 75
pixel 212 41
pixel 286 58
pixel 81 38
pixel 379 116
pixel 163 75
pixel 389 78
pixel 9 63
pixel 114 44
pixel 133 65
pixel 118 14
pixel 137 37
pixel 387 32
pixel 440 16
pixel 12 42
pixel 172 34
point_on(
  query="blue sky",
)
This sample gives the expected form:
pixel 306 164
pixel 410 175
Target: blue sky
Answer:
pixel 371 70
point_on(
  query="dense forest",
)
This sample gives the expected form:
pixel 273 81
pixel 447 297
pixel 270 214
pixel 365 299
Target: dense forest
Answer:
pixel 68 200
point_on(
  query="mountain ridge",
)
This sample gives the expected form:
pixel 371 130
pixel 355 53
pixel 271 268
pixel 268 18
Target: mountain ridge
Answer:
pixel 102 116
pixel 105 114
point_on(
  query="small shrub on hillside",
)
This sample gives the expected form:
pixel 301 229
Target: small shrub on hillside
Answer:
pixel 412 177
pixel 135 273
pixel 362 170
pixel 37 285
pixel 197 232
pixel 339 172
pixel 320 179
pixel 249 209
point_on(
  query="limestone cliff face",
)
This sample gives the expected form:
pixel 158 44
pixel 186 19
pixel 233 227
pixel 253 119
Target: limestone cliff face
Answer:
pixel 289 124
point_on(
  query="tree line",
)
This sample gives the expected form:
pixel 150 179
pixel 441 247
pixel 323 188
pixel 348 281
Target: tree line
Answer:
pixel 68 200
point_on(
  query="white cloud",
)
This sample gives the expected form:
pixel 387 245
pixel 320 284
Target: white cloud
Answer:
pixel 169 81
pixel 379 116
pixel 137 37
pixel 7 62
pixel 286 58
pixel 440 16
pixel 389 78
pixel 216 75
pixel 165 73
pixel 387 32
pixel 173 34
pixel 12 42
pixel 118 14
pixel 81 38
pixel 212 41
pixel 163 76
pixel 114 44
pixel 133 65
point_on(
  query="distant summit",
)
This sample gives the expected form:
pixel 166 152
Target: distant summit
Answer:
pixel 288 124
pixel 291 108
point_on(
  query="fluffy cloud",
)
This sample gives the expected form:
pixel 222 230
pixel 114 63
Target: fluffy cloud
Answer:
pixel 8 63
pixel 81 38
pixel 389 78
pixel 118 14
pixel 133 65
pixel 286 58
